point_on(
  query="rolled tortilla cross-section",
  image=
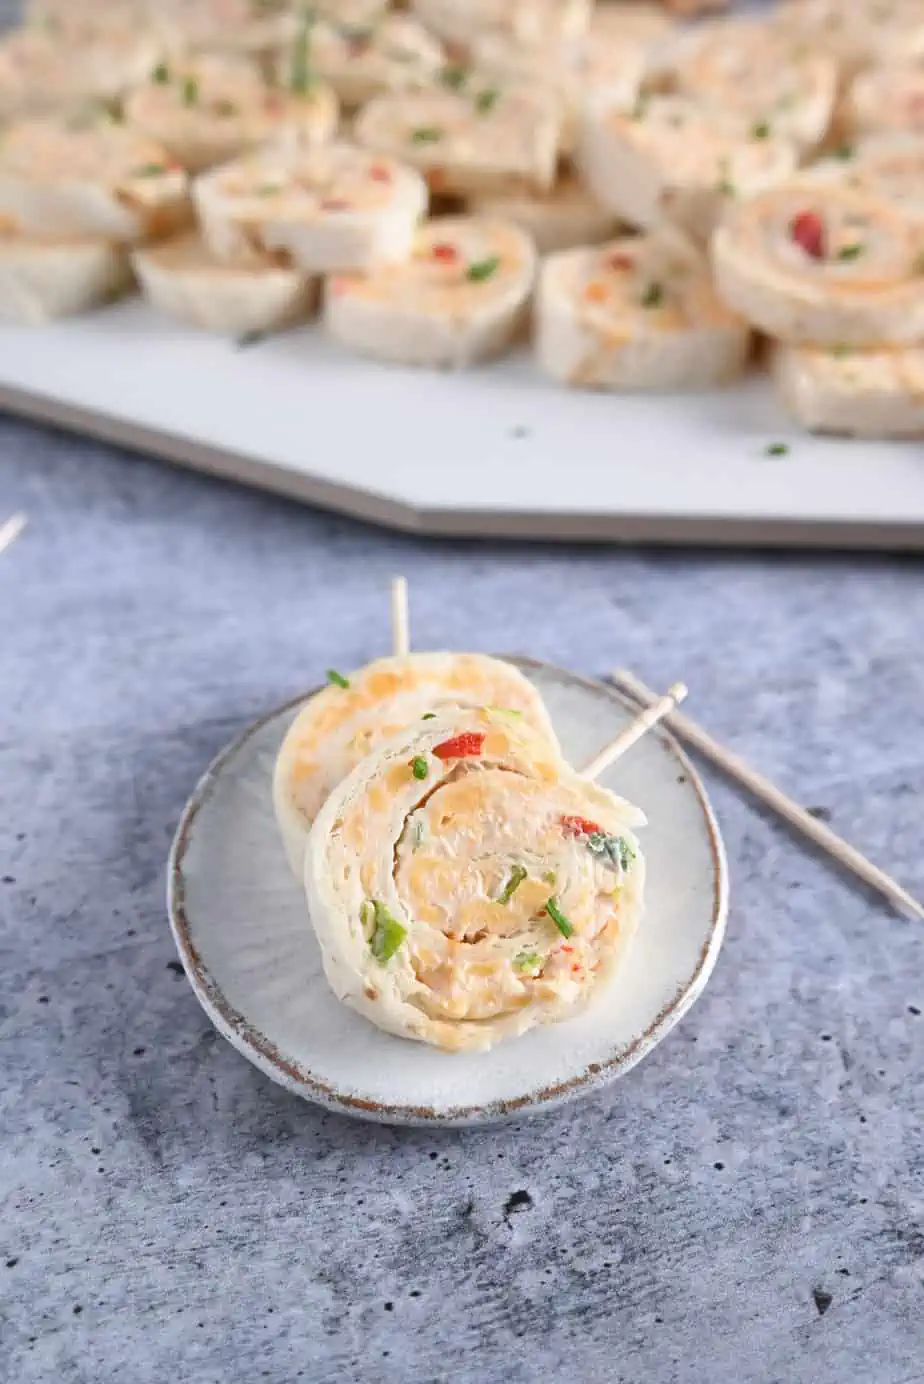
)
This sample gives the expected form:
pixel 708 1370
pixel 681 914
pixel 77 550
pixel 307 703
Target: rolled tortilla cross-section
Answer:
pixel 462 296
pixel 329 210
pixel 61 179
pixel 483 137
pixel 352 717
pixel 748 67
pixel 43 72
pixel 821 265
pixel 182 280
pixel 636 314
pixel 254 27
pixel 362 60
pixel 856 34
pixel 888 166
pixel 209 110
pixel 530 21
pixel 886 100
pixel 44 279
pixel 466 885
pixel 565 217
pixel 676 159
pixel 873 394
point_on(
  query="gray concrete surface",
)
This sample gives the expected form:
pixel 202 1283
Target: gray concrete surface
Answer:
pixel 747 1206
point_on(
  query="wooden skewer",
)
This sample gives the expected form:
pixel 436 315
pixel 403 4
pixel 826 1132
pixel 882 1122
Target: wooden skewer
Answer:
pixel 769 794
pixel 659 708
pixel 400 621
pixel 11 529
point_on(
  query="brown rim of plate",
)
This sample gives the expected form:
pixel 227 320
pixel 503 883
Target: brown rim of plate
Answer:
pixel 263 1052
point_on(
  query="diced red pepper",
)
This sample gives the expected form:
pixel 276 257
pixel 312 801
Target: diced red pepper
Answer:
pixel 379 174
pixel 581 826
pixel 463 746
pixel 445 253
pixel 808 231
pixel 620 261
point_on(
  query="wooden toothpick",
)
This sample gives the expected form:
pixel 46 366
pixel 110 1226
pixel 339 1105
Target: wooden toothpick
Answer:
pixel 635 730
pixel 772 797
pixel 11 529
pixel 400 621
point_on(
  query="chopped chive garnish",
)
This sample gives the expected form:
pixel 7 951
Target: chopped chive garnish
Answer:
pixel 840 351
pixel 190 91
pixel 505 711
pixel 426 134
pixel 482 269
pixel 844 152
pixel 268 189
pixel 517 876
pixel 419 767
pixel 149 170
pixel 337 679
pixel 225 108
pixel 761 130
pixel 850 252
pixel 301 78
pixel 429 716
pixel 454 77
pixel 615 849
pixel 776 449
pixel 161 74
pixel 558 918
pixel 527 961
pixel 653 296
pixel 388 934
pixel 551 878
pixel 486 100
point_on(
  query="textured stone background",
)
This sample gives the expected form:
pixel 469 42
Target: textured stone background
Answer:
pixel 748 1205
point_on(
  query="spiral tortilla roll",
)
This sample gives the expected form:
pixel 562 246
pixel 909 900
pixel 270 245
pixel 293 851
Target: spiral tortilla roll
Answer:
pixel 466 885
pixel 823 265
pixel 355 715
pixel 361 60
pixel 874 394
pixel 636 314
pixel 887 166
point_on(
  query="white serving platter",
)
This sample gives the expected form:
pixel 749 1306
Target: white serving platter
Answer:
pixel 244 936
pixel 498 451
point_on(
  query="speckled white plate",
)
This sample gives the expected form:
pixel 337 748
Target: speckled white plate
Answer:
pixel 243 934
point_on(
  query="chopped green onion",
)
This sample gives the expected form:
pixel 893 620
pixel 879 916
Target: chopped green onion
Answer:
pixel 190 91
pixel 761 130
pixel 550 877
pixel 161 74
pixel 482 269
pixel 337 679
pixel 388 934
pixel 850 252
pixel 615 849
pixel 844 152
pixel 486 100
pixel 527 961
pixel 301 79
pixel 419 767
pixel 776 449
pixel 840 351
pixel 429 716
pixel 367 917
pixel 558 918
pixel 149 170
pixel 517 876
pixel 268 189
pixel 454 77
pixel 426 134
pixel 505 711
pixel 653 296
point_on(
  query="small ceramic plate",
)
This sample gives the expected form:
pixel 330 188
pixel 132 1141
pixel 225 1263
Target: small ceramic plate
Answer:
pixel 243 933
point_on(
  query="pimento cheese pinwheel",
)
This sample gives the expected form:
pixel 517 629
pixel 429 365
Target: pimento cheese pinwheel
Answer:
pixel 466 885
pixel 887 166
pixel 875 394
pixel 676 159
pixel 829 266
pixel 209 110
pixel 462 296
pixel 181 279
pixel 747 67
pixel 857 33
pixel 640 313
pixel 61 179
pixel 344 722
pixel 481 137
pixel 361 60
pixel 886 100
pixel 329 209
pixel 43 72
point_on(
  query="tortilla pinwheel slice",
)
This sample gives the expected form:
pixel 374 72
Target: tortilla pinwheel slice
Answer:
pixel 823 265
pixel 886 100
pixel 329 210
pixel 461 298
pixel 466 885
pixel 43 72
pixel 636 314
pixel 857 34
pixel 256 28
pixel 360 60
pixel 565 217
pixel 182 280
pixel 483 137
pixel 874 394
pixel 676 159
pixel 60 180
pixel 354 716
pixel 747 67
pixel 209 110
pixel 529 21
pixel 888 166
pixel 41 280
